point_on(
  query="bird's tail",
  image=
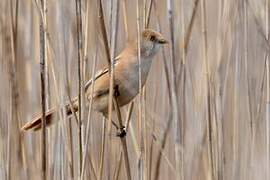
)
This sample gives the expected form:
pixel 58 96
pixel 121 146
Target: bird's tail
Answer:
pixel 35 124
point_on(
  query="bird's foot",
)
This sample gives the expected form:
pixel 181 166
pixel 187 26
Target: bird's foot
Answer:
pixel 121 132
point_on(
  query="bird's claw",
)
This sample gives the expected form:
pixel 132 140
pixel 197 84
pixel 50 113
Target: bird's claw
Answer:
pixel 121 132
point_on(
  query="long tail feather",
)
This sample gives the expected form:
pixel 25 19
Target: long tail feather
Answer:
pixel 35 124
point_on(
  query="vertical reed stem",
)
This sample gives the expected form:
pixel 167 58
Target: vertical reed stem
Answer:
pixel 80 53
pixel 42 35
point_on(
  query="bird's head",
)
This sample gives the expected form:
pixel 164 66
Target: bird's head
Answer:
pixel 151 41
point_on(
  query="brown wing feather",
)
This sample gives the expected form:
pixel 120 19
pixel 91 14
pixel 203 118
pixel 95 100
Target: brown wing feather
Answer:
pixel 35 124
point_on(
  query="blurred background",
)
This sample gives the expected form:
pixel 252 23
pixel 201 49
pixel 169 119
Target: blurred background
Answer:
pixel 204 112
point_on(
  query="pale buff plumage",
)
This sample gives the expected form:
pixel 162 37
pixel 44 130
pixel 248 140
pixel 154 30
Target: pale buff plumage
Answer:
pixel 126 77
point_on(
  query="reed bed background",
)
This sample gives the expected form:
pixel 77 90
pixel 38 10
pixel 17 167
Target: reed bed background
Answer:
pixel 203 114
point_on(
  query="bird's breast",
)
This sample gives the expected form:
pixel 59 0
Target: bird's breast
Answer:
pixel 129 80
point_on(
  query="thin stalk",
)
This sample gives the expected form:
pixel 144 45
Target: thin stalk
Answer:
pixel 15 122
pixel 89 116
pixel 92 167
pixel 124 3
pixel 163 143
pixel 267 118
pixel 123 140
pixel 149 14
pixel 102 150
pixel 208 92
pixel 80 89
pixel 42 30
pixel 164 58
pixel 141 129
pixel 128 118
pixel 118 167
pixel 183 84
pixel 249 106
pixel 177 133
pixel 187 34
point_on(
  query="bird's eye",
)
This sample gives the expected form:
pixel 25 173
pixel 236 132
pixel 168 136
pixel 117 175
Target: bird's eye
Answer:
pixel 152 38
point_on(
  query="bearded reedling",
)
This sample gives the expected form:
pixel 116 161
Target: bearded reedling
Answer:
pixel 126 78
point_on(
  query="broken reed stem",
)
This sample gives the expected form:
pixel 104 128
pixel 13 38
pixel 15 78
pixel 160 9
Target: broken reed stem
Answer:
pixel 80 89
pixel 107 50
pixel 42 34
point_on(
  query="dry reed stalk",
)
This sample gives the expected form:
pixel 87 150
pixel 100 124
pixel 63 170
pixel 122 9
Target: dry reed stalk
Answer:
pixel 158 163
pixel 246 34
pixel 92 167
pixel 123 140
pixel 118 168
pixel 128 117
pixel 89 116
pixel 15 94
pixel 162 149
pixel 86 144
pixel 152 129
pixel 259 27
pixel 267 118
pixel 141 163
pixel 113 38
pixel 14 143
pixel 43 57
pixel 265 38
pixel 208 89
pixel 101 165
pixel 190 27
pixel 51 57
pixel 249 106
pixel 163 143
pixel 149 14
pixel 148 152
pixel 164 59
pixel 183 88
pixel 80 85
pixel 177 133
pixel 105 40
pixel 50 52
pixel 124 6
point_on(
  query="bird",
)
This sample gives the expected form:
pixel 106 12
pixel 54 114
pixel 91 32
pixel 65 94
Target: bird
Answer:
pixel 126 78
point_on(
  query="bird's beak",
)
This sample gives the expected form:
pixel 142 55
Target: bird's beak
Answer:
pixel 162 41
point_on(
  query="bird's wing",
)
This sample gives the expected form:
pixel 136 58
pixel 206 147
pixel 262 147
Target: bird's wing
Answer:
pixel 101 73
